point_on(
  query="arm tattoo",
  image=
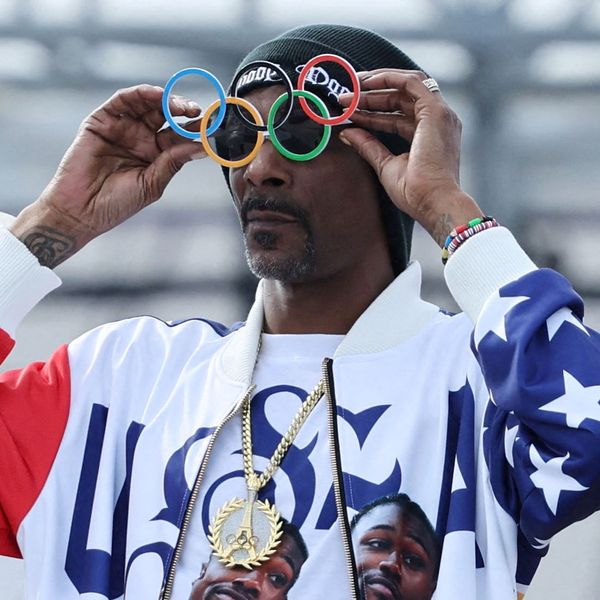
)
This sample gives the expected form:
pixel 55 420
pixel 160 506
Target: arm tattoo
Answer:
pixel 441 229
pixel 48 245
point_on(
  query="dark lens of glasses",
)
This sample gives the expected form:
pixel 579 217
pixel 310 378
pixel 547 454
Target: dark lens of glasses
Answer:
pixel 299 134
pixel 233 140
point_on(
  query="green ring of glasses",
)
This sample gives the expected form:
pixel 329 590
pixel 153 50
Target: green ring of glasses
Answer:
pixel 273 134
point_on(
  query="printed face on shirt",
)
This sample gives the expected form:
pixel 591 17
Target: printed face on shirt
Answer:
pixel 397 558
pixel 271 581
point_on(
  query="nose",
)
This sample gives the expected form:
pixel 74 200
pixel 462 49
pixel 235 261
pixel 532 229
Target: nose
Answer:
pixel 390 565
pixel 251 583
pixel 269 169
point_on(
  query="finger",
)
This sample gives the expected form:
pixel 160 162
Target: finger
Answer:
pixel 155 119
pixel 167 137
pixel 133 101
pixel 389 100
pixel 409 83
pixel 371 150
pixel 394 123
pixel 180 106
pixel 127 137
pixel 167 164
pixel 366 74
pixel 138 100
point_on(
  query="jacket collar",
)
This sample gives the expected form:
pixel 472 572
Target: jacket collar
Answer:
pixel 397 314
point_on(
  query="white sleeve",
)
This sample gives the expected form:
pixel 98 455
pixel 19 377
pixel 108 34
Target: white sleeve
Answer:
pixel 483 264
pixel 23 281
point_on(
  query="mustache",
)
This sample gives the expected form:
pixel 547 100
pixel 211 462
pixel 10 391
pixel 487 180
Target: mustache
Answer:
pixel 229 590
pixel 280 205
pixel 390 581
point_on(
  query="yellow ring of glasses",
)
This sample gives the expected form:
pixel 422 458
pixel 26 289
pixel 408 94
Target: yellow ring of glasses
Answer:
pixel 260 138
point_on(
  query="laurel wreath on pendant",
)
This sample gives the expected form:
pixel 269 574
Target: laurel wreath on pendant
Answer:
pixel 215 530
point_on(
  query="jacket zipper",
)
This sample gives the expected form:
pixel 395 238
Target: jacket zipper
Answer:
pixel 338 489
pixel 167 589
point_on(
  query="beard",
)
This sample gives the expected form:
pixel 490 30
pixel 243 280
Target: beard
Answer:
pixel 266 264
pixel 290 269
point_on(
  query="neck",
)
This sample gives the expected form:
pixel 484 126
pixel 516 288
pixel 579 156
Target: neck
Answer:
pixel 330 304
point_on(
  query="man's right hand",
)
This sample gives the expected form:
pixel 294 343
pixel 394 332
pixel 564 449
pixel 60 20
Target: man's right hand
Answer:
pixel 118 164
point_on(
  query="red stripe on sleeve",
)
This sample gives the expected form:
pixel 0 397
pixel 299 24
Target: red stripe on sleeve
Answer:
pixel 34 407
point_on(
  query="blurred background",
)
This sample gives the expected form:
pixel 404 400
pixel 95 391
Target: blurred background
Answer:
pixel 524 76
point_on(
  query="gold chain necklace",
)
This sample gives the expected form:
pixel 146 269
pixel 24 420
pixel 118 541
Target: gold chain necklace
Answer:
pixel 245 533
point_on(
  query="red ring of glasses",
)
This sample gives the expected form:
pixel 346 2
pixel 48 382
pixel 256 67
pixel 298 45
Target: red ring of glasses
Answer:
pixel 355 85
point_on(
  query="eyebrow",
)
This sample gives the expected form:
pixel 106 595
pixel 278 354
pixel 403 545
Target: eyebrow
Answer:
pixel 411 535
pixel 292 564
pixel 382 526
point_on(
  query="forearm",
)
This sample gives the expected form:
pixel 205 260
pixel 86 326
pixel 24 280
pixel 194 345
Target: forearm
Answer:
pixel 50 236
pixel 446 210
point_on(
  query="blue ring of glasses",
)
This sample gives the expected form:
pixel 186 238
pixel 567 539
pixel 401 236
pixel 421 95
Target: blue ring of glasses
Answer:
pixel 193 135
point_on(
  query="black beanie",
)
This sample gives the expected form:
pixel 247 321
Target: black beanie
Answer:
pixel 365 51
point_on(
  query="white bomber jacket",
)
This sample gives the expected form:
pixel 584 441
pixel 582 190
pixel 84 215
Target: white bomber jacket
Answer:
pixel 492 429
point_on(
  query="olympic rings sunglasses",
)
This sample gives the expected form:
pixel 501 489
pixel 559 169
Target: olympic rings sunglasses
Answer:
pixel 298 138
pixel 294 129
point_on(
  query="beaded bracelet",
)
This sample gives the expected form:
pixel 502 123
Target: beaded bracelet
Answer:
pixel 463 232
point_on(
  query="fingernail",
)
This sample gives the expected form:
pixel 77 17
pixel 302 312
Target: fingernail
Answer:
pixel 344 139
pixel 182 104
pixel 198 155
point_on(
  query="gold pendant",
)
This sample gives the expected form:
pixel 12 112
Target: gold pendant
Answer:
pixel 245 533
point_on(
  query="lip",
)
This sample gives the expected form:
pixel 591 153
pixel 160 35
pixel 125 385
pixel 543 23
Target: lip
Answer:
pixel 269 217
pixel 224 591
pixel 383 586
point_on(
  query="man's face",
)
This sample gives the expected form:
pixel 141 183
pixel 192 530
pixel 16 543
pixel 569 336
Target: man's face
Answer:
pixel 271 581
pixel 307 220
pixel 395 554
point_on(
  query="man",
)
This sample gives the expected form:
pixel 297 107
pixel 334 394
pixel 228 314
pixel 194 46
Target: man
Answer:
pixel 142 446
pixel 396 548
pixel 270 581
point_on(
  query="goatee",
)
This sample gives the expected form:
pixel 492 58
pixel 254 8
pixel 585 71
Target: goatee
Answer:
pixel 289 269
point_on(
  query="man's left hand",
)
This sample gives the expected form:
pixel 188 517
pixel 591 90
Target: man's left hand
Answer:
pixel 424 183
